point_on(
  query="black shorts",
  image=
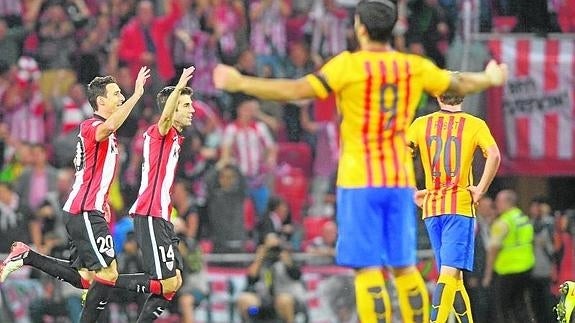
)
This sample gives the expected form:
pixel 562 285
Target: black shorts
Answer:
pixel 159 245
pixel 91 244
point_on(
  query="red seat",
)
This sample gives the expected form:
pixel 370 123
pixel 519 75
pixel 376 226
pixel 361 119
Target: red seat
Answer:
pixel 312 226
pixel 249 215
pixel 293 187
pixel 504 24
pixel 296 154
pixel 207 246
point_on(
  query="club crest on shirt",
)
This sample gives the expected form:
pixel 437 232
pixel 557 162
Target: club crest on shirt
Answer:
pixel 110 252
pixel 170 265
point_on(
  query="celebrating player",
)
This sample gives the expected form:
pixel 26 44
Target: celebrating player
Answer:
pixel 93 259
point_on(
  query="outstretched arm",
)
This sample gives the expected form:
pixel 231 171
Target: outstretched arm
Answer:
pixel 229 79
pixel 167 118
pixel 465 83
pixel 119 116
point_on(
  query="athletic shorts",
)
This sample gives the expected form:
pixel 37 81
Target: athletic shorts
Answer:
pixel 91 244
pixel 452 238
pixel 159 245
pixel 377 227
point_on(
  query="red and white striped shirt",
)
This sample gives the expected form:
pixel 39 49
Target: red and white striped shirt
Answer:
pixel 95 164
pixel 73 114
pixel 329 27
pixel 161 154
pixel 269 30
pixel 248 146
pixel 27 120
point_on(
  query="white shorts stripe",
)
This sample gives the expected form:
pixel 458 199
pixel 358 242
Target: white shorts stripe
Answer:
pixel 155 248
pixel 93 240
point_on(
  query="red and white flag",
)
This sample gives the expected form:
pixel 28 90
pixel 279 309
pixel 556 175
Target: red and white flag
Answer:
pixel 532 116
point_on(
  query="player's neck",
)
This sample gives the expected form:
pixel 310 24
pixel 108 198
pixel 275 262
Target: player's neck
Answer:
pixel 372 46
pixel 178 127
pixel 102 115
pixel 451 108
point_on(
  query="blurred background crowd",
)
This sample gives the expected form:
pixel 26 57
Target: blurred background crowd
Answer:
pixel 248 167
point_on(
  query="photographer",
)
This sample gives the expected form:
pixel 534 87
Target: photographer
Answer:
pixel 274 284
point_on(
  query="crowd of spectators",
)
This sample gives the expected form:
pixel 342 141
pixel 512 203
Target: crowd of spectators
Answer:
pixel 52 48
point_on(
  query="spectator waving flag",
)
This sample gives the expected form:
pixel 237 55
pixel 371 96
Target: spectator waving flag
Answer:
pixel 532 115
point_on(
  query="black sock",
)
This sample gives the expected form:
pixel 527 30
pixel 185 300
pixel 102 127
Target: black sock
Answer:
pixel 153 308
pixel 57 268
pixel 139 283
pixel 96 302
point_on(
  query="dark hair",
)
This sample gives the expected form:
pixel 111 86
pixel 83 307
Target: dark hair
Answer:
pixel 97 88
pixel 539 199
pixel 378 17
pixel 451 99
pixel 274 202
pixel 162 97
pixel 241 98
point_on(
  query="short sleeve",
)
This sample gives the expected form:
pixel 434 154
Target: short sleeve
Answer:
pixel 484 138
pixel 88 130
pixel 154 132
pixel 331 77
pixel 435 80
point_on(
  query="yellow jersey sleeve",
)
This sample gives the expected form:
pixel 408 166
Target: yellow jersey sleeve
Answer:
pixel 484 138
pixel 331 77
pixel 435 80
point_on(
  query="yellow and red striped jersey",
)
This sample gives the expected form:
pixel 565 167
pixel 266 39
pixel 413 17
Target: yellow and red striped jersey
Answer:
pixel 377 93
pixel 447 142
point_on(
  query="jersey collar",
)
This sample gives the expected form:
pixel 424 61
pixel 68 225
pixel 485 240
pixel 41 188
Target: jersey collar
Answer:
pixel 451 112
pixel 97 116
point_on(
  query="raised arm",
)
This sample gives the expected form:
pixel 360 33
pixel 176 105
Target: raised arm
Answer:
pixel 229 79
pixel 121 114
pixel 169 109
